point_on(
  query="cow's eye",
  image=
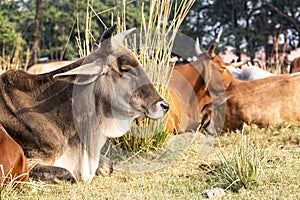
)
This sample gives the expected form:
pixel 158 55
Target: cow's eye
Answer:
pixel 125 68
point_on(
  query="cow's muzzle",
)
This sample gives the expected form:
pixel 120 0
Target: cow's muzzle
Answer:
pixel 158 110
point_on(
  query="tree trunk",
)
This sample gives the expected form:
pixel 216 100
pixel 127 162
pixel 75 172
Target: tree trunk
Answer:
pixel 36 35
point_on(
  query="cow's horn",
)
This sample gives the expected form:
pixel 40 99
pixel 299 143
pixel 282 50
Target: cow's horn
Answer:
pixel 121 36
pixel 258 62
pixel 239 64
pixel 108 33
pixel 249 63
pixel 197 47
pixel 211 50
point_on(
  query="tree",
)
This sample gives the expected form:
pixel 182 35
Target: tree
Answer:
pixel 287 15
pixel 246 24
pixel 8 34
pixel 36 33
pixel 55 32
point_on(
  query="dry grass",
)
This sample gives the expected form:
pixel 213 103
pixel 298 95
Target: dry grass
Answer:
pixel 182 178
pixel 13 59
pixel 153 43
pixel 180 175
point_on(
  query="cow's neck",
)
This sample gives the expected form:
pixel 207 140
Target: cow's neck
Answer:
pixel 82 160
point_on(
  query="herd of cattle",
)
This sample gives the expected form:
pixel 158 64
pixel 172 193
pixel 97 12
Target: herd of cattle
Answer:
pixel 54 124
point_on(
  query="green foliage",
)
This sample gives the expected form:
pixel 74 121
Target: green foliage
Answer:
pixel 141 142
pixel 62 22
pixel 246 24
pixel 8 34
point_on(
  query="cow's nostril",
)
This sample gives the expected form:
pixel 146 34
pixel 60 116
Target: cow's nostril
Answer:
pixel 165 105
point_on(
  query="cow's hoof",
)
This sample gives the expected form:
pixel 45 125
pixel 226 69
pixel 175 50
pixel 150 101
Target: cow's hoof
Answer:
pixel 105 167
pixel 51 174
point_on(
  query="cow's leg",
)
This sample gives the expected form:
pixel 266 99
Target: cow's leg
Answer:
pixel 105 167
pixel 51 174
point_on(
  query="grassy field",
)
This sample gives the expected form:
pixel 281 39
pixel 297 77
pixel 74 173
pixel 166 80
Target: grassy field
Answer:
pixel 268 159
pixel 187 176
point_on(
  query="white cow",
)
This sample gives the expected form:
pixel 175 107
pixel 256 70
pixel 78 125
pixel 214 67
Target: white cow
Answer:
pixel 247 73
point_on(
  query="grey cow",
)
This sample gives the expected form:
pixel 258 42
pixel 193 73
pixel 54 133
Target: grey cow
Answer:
pixel 62 118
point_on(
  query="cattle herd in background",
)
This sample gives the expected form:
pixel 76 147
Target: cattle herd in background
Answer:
pixel 207 92
pixel 224 102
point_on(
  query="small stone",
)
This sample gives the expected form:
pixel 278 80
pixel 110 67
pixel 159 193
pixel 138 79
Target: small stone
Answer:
pixel 214 193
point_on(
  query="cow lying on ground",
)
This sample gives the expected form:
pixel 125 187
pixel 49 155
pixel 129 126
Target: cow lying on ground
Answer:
pixel 13 164
pixel 295 65
pixel 225 103
pixel 262 101
pixel 62 118
pixel 221 97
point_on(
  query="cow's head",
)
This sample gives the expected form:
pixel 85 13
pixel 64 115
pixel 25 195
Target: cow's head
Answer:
pixel 122 90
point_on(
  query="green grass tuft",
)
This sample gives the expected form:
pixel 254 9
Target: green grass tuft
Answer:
pixel 241 169
pixel 133 143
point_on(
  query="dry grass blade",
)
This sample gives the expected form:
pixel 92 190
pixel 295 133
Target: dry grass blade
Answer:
pixel 13 60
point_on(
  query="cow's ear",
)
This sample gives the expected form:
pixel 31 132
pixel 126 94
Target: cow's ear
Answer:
pixel 82 75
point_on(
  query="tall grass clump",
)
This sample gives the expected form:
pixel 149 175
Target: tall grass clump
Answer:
pixel 239 170
pixel 153 45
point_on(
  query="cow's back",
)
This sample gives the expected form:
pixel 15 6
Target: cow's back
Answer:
pixel 12 159
pixel 266 102
pixel 47 67
pixel 26 99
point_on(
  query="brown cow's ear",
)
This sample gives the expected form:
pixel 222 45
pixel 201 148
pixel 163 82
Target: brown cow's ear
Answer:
pixel 82 75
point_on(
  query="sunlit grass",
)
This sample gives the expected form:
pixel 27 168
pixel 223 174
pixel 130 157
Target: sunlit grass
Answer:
pixel 241 168
pixel 183 179
pixel 141 142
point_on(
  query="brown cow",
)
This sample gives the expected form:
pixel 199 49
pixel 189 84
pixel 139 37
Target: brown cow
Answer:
pixel 187 83
pixel 187 98
pixel 173 117
pixel 295 65
pixel 226 103
pixel 13 164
